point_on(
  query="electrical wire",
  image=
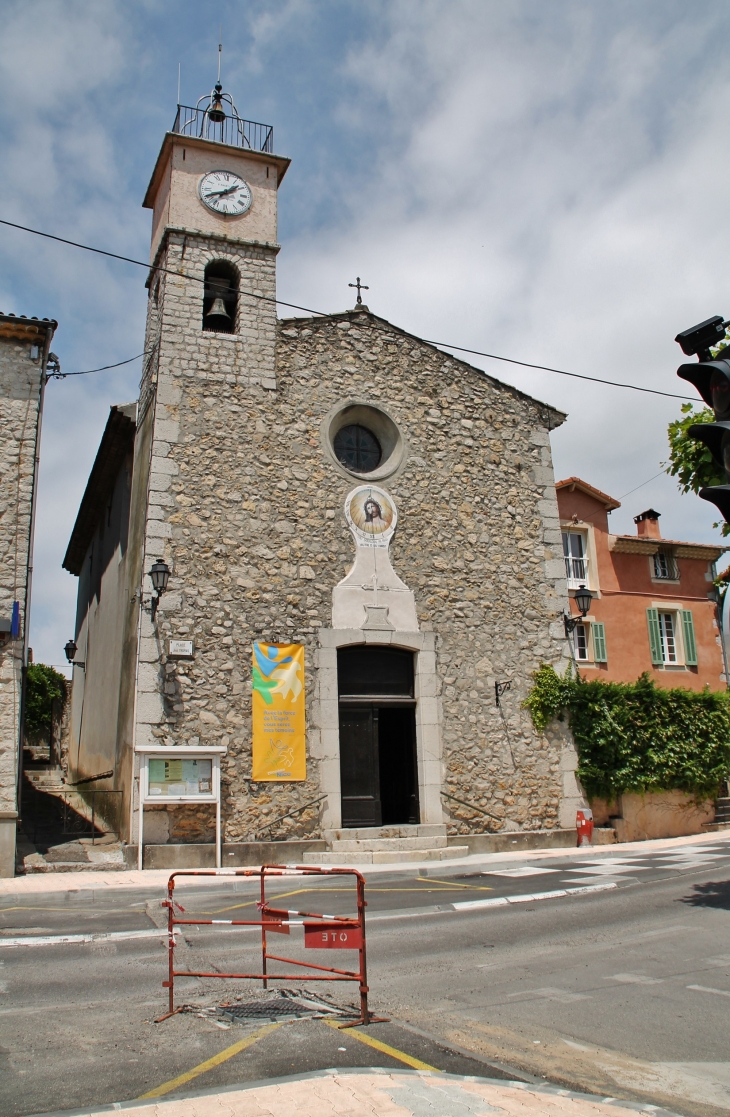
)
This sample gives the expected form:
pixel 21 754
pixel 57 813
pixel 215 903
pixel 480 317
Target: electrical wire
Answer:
pixel 323 313
pixel 641 486
pixel 559 371
pixel 146 264
pixel 87 371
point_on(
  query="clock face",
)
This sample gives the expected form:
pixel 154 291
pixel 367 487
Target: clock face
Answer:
pixel 225 193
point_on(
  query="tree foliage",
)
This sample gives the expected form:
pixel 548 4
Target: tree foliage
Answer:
pixel 43 685
pixel 637 736
pixel 690 461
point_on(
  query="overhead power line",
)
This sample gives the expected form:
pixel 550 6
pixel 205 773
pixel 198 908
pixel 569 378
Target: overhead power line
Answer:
pixel 661 473
pixel 560 371
pixel 324 314
pixel 87 371
pixel 146 264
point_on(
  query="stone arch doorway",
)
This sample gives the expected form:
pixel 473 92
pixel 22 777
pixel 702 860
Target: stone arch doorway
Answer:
pixel 377 720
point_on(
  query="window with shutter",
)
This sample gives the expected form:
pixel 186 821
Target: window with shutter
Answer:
pixel 599 643
pixel 655 639
pixel 690 644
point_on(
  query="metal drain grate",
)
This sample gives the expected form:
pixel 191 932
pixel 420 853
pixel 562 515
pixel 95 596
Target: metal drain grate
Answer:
pixel 266 1010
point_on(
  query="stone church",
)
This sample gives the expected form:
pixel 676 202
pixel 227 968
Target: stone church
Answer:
pixel 326 481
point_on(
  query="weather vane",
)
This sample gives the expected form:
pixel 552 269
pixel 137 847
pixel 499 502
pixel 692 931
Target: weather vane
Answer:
pixel 360 287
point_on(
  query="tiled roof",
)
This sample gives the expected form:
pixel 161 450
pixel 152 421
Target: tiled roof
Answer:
pixel 583 486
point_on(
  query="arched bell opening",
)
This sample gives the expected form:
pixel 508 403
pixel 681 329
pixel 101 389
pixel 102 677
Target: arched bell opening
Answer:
pixel 220 297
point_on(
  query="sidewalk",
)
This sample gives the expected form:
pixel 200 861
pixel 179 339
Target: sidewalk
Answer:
pixel 377 1093
pixel 156 879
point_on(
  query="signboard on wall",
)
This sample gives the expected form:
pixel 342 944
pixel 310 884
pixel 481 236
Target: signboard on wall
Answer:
pixel 279 748
pixel 178 776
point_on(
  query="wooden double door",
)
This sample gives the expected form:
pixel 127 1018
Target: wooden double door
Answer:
pixel 378 762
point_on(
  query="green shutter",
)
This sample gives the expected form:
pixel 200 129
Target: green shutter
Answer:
pixel 655 639
pixel 599 643
pixel 690 644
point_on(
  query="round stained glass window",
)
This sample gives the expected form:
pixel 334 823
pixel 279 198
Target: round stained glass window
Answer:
pixel 357 449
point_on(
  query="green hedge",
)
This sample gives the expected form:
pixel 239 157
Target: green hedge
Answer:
pixel 637 736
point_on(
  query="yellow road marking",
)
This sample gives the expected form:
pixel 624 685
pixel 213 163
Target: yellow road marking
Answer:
pixel 215 1061
pixel 476 887
pixel 303 891
pixel 385 1048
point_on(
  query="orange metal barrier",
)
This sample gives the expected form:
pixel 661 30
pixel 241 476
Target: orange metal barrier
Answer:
pixel 321 932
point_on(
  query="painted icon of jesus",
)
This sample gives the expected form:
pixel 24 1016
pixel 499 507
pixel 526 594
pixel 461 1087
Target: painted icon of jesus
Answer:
pixel 374 515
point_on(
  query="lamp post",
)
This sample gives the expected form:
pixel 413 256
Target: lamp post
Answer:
pixel 583 599
pixel 159 576
pixel 70 649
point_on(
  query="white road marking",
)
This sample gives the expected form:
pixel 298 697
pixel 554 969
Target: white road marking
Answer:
pixel 592 880
pixel 521 871
pixel 708 989
pixel 634 979
pixel 551 993
pixel 61 940
pixel 610 869
pixel 502 901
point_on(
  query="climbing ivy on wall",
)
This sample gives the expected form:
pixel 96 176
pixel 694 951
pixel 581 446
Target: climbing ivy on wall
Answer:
pixel 637 736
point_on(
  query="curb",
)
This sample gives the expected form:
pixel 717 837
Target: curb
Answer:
pixel 526 1087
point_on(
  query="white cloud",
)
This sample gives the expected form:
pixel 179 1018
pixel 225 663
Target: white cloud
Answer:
pixel 544 192
pixel 544 181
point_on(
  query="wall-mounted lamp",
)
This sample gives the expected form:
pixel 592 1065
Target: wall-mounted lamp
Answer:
pixel 70 649
pixel 159 576
pixel 583 599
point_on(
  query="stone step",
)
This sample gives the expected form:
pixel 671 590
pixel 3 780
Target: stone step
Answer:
pixel 386 856
pixel 74 867
pixel 712 826
pixel 425 830
pixel 363 845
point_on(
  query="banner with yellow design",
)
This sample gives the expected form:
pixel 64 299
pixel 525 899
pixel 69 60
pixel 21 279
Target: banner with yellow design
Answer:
pixel 279 751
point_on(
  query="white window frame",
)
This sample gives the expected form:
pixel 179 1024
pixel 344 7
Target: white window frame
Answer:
pixel 587 623
pixel 586 626
pixel 672 574
pixel 675 611
pixel 590 564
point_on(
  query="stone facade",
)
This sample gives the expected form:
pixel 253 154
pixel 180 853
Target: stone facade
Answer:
pixel 237 487
pixel 246 507
pixel 23 352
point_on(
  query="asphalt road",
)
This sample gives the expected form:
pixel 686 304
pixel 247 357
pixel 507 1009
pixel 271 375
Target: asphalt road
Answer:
pixel 622 991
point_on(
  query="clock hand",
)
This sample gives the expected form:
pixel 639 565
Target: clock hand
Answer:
pixel 220 193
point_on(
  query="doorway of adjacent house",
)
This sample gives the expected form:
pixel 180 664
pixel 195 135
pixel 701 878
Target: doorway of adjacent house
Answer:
pixel 378 762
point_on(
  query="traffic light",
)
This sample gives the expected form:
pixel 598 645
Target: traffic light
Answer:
pixel 711 378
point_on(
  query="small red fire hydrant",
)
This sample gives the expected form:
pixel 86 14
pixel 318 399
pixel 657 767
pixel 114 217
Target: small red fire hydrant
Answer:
pixel 584 826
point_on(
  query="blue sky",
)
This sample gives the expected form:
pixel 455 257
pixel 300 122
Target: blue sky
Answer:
pixel 542 179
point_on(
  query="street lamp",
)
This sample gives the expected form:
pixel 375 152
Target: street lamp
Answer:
pixel 70 649
pixel 159 576
pixel 583 599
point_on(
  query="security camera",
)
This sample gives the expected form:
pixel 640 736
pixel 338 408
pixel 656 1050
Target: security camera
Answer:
pixel 698 339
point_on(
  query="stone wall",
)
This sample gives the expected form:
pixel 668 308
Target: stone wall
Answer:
pixel 246 507
pixel 20 380
pixel 195 382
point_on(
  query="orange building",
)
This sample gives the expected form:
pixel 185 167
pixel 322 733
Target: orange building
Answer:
pixel 654 604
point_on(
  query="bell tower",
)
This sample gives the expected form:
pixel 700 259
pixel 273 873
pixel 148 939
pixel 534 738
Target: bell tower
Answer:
pixel 213 196
pixel 210 347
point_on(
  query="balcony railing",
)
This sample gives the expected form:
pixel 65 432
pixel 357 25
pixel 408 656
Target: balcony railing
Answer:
pixel 576 571
pixel 231 130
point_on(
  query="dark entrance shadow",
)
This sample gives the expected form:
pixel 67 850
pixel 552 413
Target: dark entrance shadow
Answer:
pixel 712 894
pixel 47 821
